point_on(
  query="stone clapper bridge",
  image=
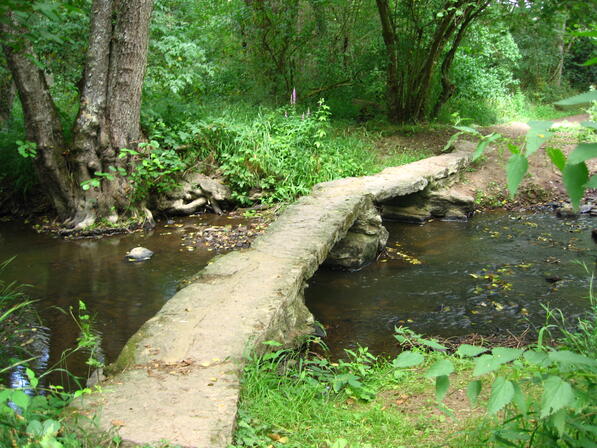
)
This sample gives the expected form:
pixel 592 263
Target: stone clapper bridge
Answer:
pixel 178 378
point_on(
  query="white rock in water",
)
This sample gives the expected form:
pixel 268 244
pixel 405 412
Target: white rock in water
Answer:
pixel 139 254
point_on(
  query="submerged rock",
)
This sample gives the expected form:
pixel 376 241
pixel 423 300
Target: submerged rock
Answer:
pixel 139 254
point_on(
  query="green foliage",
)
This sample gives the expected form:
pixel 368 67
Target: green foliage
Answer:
pixel 564 380
pixel 31 416
pixel 276 156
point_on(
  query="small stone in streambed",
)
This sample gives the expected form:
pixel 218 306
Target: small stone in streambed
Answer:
pixel 553 279
pixel 139 254
pixel 566 212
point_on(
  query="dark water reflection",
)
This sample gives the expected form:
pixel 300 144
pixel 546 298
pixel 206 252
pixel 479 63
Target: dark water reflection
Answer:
pixel 121 295
pixel 513 258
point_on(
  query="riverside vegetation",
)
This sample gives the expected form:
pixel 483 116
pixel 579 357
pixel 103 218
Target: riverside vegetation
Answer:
pixel 542 395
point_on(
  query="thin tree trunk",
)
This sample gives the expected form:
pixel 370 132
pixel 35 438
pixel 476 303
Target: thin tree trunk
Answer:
pixel 389 37
pixel 8 92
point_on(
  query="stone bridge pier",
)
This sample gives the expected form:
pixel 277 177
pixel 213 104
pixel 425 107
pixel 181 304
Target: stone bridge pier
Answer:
pixel 178 377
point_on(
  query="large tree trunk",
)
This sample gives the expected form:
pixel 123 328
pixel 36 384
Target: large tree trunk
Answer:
pixel 108 119
pixel 42 122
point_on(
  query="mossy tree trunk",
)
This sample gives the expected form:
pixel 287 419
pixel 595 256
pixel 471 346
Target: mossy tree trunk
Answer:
pixel 108 118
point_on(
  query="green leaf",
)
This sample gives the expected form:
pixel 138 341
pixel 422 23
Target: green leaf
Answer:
pixel 557 394
pixel 483 144
pixel 515 171
pixel 468 130
pixel 568 357
pixel 537 135
pixel 470 351
pixel 558 158
pixel 591 61
pixel 21 399
pixel 582 153
pixel 33 381
pixel 441 367
pixel 519 399
pixel 506 354
pixel 485 364
pixel 558 420
pixel 537 358
pixel 502 393
pixel 408 359
pixel 442 384
pixel 51 427
pixel 577 100
pixel 35 428
pixel 575 178
pixel 473 390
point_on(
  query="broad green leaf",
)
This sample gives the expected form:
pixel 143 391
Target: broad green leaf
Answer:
pixel 502 392
pixel 483 144
pixel 33 381
pixel 5 395
pixel 577 100
pixel 519 399
pixel 537 358
pixel 51 427
pixel 515 171
pixel 473 390
pixel 582 153
pixel 558 158
pixel 408 359
pixel 575 178
pixel 442 384
pixel 591 61
pixel 468 129
pixel 35 428
pixel 21 399
pixel 558 420
pixel 568 357
pixel 470 351
pixel 537 135
pixel 441 367
pixel 485 364
pixel 506 354
pixel 557 394
pixel 589 124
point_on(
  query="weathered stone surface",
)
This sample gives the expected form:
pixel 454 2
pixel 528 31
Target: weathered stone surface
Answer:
pixel 177 379
pixel 363 242
pixel 420 207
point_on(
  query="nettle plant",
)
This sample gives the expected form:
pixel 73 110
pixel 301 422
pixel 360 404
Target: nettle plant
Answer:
pixel 544 396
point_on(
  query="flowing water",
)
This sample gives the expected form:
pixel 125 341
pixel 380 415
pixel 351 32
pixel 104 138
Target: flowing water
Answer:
pixel 119 294
pixel 490 275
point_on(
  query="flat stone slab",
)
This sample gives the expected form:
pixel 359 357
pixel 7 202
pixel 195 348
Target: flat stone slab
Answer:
pixel 178 377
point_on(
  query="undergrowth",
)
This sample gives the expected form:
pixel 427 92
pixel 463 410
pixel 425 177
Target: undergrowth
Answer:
pixel 536 396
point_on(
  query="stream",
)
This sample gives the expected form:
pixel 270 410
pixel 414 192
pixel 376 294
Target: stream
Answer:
pixel 119 295
pixel 489 275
